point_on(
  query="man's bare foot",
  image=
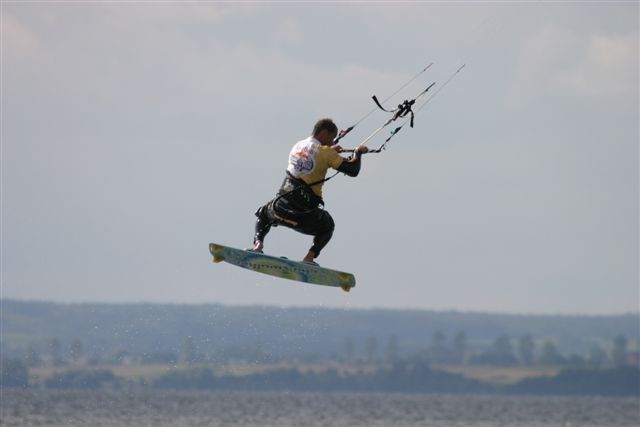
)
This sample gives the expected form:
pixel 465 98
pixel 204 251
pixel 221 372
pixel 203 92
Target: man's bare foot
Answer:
pixel 258 246
pixel 309 259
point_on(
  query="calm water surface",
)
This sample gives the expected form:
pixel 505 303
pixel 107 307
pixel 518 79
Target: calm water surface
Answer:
pixel 155 408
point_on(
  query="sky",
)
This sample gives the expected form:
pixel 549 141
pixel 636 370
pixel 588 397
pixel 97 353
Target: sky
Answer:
pixel 136 133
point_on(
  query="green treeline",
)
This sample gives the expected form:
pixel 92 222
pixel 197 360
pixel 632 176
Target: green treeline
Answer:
pixel 402 377
pixel 417 377
pixel 623 381
pixel 386 350
pixel 50 334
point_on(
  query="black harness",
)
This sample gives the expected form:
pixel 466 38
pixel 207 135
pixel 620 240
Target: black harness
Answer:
pixel 294 198
pixel 300 194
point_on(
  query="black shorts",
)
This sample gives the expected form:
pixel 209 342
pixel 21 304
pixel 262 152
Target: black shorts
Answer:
pixel 296 207
pixel 313 222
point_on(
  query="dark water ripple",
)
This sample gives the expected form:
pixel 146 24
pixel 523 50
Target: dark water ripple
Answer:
pixel 232 409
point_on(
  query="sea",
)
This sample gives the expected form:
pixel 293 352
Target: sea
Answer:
pixel 309 409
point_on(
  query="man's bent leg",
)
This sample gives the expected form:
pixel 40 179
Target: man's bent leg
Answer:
pixel 263 225
pixel 320 241
pixel 321 226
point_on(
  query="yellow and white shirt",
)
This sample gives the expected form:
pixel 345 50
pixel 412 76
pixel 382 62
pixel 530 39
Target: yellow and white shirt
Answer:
pixel 309 161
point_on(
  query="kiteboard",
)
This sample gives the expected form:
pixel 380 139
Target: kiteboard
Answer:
pixel 282 267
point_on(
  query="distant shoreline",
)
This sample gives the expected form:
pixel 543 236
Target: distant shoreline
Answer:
pixel 402 377
pixel 318 307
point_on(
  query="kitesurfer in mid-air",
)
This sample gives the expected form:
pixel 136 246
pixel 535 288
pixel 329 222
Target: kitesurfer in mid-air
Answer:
pixel 298 204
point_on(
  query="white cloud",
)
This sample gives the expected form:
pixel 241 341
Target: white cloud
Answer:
pixel 608 66
pixel 17 41
pixel 290 31
pixel 170 13
pixel 562 62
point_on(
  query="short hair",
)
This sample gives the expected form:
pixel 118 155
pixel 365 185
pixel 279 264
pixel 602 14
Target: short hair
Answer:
pixel 325 124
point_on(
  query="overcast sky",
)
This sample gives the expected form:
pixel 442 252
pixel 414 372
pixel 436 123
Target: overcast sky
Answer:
pixel 133 134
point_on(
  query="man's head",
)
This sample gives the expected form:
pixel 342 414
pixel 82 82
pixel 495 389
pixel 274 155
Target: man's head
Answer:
pixel 325 131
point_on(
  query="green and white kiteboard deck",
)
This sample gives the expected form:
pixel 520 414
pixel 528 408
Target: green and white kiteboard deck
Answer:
pixel 282 267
